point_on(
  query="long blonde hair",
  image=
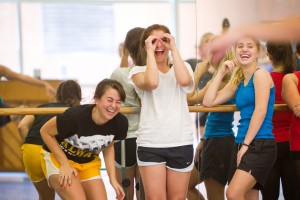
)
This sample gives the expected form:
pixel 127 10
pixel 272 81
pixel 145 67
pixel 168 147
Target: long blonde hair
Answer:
pixel 237 74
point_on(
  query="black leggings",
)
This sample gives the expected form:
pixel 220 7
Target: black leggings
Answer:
pixel 282 172
pixel 296 165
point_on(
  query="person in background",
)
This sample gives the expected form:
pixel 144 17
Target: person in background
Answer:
pixel 131 45
pixel 281 56
pixel 291 96
pixel 11 75
pixel 225 25
pixel 218 132
pixel 165 135
pixel 254 151
pixel 201 117
pixel 74 139
pixel 68 94
pixel 264 60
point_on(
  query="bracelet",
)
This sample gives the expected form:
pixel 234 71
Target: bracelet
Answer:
pixel 201 139
pixel 247 145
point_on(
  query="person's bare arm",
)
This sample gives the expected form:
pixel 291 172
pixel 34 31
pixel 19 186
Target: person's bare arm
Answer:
pixel 48 133
pixel 24 126
pixel 214 96
pixel 197 96
pixel 290 93
pixel 11 75
pixel 109 158
pixel 149 79
pixel 182 74
pixel 286 29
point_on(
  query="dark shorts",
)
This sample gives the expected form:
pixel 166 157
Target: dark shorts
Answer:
pixel 130 153
pixel 176 158
pixel 258 159
pixel 201 118
pixel 216 154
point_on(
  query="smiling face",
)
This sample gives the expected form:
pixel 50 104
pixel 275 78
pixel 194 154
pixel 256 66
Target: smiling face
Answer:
pixel 161 52
pixel 108 105
pixel 108 97
pixel 247 51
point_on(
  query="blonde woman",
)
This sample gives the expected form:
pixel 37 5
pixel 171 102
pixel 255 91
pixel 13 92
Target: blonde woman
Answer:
pixel 255 148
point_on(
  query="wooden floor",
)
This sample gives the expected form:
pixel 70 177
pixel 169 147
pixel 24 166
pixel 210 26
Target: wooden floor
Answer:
pixel 16 186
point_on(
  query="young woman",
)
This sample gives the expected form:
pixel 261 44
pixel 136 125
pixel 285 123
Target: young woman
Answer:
pixel 75 139
pixel 202 74
pixel 255 148
pixel 281 56
pixel 165 135
pixel 218 132
pixel 130 175
pixel 68 94
pixel 291 95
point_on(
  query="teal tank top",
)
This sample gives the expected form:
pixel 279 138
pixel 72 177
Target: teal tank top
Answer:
pixel 245 102
pixel 219 124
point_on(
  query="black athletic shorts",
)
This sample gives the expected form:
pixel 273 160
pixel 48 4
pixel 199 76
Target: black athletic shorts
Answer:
pixel 130 153
pixel 216 155
pixel 258 159
pixel 176 158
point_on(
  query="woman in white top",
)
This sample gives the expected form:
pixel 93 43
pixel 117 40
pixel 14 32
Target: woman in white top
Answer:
pixel 165 135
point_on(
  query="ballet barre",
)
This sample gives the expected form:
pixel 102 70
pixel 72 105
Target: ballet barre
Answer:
pixel 124 110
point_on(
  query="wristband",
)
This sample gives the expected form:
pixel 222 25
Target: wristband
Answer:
pixel 247 145
pixel 201 139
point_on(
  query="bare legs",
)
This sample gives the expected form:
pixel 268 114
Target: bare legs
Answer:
pixel 161 183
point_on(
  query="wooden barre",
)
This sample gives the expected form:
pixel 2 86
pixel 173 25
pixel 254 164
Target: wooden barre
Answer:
pixel 125 110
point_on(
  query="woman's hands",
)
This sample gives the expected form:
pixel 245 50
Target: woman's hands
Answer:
pixel 167 41
pixel 119 190
pixel 228 66
pixel 66 173
pixel 296 111
pixel 240 154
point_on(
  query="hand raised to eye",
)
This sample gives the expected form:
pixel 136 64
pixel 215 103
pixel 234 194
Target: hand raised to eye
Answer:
pixel 151 42
pixel 168 41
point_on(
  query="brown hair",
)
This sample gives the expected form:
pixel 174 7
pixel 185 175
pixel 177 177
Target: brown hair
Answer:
pixel 298 47
pixel 109 83
pixel 69 92
pixel 132 42
pixel 282 54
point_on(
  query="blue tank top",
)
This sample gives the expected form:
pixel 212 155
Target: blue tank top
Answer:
pixel 219 124
pixel 245 102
